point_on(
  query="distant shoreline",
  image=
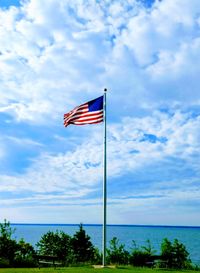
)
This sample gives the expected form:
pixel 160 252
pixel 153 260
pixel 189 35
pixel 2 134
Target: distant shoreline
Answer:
pixel 100 225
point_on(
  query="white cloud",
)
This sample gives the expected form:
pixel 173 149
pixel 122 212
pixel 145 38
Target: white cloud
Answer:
pixel 166 27
pixel 55 55
pixel 23 141
pixel 135 144
pixel 53 48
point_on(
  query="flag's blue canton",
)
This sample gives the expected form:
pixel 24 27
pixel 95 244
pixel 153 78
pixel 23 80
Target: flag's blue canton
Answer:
pixel 96 105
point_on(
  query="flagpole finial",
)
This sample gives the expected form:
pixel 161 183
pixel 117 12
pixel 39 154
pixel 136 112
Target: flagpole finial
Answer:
pixel 105 89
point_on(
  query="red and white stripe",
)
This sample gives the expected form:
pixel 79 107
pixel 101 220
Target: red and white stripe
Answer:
pixel 81 115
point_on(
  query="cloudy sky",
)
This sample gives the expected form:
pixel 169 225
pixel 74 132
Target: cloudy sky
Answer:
pixel 55 55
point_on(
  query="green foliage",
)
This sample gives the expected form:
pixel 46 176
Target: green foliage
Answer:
pixel 148 249
pixel 57 244
pixel 117 253
pixel 12 253
pixel 25 249
pixel 4 263
pixel 139 256
pixel 8 246
pixel 71 250
pixel 175 254
pixel 97 257
pixel 79 250
pixel 24 255
pixel 82 247
pixel 6 231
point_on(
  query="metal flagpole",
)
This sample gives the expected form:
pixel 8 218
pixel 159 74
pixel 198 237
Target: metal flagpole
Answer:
pixel 104 184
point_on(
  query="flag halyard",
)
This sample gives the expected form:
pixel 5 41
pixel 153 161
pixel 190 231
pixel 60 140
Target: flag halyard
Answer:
pixel 88 113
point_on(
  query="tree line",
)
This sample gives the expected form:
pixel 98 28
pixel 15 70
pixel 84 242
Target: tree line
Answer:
pixel 78 249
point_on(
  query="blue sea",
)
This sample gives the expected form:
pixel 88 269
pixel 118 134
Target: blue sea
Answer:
pixel 189 236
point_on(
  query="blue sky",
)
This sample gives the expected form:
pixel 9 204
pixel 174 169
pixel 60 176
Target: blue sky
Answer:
pixel 56 55
pixel 8 3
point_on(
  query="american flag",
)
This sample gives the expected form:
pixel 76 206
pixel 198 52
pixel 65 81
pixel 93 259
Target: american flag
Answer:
pixel 88 113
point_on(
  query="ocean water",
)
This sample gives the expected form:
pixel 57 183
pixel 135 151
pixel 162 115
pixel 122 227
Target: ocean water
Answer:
pixel 189 236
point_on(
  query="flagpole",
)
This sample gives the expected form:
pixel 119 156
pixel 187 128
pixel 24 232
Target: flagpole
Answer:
pixel 104 184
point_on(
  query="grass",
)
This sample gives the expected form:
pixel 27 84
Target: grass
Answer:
pixel 89 270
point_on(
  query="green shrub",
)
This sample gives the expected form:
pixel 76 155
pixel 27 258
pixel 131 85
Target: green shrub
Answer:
pixel 117 253
pixel 57 244
pixel 8 246
pixel 13 253
pixel 70 250
pixel 83 248
pixel 24 256
pixel 79 249
pixel 175 254
pixel 140 256
pixel 24 262
pixel 97 256
pixel 4 263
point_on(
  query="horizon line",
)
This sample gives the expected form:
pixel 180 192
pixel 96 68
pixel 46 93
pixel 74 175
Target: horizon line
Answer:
pixel 122 225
